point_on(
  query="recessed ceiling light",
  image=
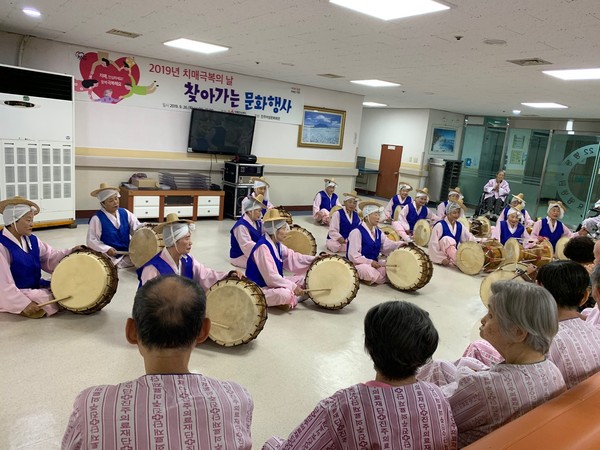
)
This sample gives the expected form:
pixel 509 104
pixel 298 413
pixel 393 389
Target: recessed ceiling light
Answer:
pixel 391 9
pixel 516 112
pixel 374 104
pixel 196 46
pixel 575 74
pixel 544 105
pixel 374 83
pixel 31 12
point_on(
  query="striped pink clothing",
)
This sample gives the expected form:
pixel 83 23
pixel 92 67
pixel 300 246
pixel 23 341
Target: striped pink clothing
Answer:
pixel 485 398
pixel 184 411
pixel 376 416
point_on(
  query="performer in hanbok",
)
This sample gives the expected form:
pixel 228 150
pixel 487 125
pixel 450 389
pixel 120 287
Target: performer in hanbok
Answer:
pixel 261 187
pixel 392 411
pixel 521 322
pixel 413 212
pixel 518 203
pixel 510 228
pixel 175 258
pixel 399 200
pixel 246 231
pixel 270 257
pixel 454 196
pixel 343 221
pixel 111 228
pixel 495 192
pixel 446 236
pixel 324 201
pixel 169 407
pixel 550 227
pixel 367 242
pixel 591 225
pixel 22 258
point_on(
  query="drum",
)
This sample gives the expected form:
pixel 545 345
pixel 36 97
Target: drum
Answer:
pixel 473 257
pixel 332 281
pixel 390 232
pixel 506 272
pixel 560 247
pixel 464 222
pixel 538 255
pixel 144 244
pixel 286 215
pixel 301 240
pixel 334 209
pixel 481 227
pixel 237 309
pixel 409 268
pixel 89 277
pixel 422 232
pixel 397 212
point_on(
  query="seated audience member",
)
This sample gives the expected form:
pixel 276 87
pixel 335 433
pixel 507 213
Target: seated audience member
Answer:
pixel 550 227
pixel 324 201
pixel 168 407
pixel 367 242
pixel 343 221
pixel 592 315
pixel 398 201
pixel 581 250
pixel 22 258
pixel 591 224
pixel 446 236
pixel 575 349
pixel 246 231
pixel 454 196
pixel 261 187
pixel 175 258
pixel 392 411
pixel 517 203
pixel 411 213
pixel 270 257
pixel 521 322
pixel 509 228
pixel 495 192
pixel 111 228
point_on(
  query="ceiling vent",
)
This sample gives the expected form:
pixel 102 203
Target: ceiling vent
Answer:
pixel 529 62
pixel 329 75
pixel 122 33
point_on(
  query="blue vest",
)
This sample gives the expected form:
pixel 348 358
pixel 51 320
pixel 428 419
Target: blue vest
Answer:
pixel 369 248
pixel 187 267
pixel 412 215
pixel 116 238
pixel 553 237
pixel 523 211
pixel 345 225
pixel 255 234
pixel 396 203
pixel 26 268
pixel 326 202
pixel 505 233
pixel 446 231
pixel 252 271
pixel 264 210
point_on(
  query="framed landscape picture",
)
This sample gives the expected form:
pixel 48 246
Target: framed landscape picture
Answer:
pixel 322 128
pixel 443 140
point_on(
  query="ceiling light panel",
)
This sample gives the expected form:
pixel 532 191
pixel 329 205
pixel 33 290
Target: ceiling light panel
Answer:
pixel 575 74
pixel 196 46
pixel 374 83
pixel 545 105
pixel 391 9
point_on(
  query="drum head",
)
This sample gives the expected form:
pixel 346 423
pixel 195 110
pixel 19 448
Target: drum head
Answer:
pixel 334 209
pixel 470 257
pixel 504 273
pixel 464 222
pixel 237 309
pixel 390 232
pixel 144 244
pixel 409 268
pixel 397 212
pixel 422 232
pixel 337 278
pixel 301 240
pixel 513 251
pixel 89 278
pixel 560 247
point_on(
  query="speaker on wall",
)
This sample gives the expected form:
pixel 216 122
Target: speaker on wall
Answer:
pixel 234 195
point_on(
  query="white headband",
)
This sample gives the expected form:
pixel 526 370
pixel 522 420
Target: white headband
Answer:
pixel 512 211
pixel 421 194
pixel 349 197
pixel 12 213
pixel 370 209
pixel 562 211
pixel 274 225
pixel 172 233
pixel 453 192
pixel 106 194
pixel 259 183
pixel 405 186
pixel 330 183
pixel 452 206
pixel 250 204
pixel 597 204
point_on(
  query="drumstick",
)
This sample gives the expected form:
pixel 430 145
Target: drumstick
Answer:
pixel 219 325
pixel 55 300
pixel 316 290
pixel 121 252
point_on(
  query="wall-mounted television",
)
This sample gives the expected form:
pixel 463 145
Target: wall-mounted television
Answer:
pixel 220 132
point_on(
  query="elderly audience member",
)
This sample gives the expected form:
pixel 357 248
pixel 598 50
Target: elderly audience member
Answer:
pixel 495 192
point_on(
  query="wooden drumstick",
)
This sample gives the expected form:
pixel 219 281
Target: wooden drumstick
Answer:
pixel 317 290
pixel 219 325
pixel 121 252
pixel 55 301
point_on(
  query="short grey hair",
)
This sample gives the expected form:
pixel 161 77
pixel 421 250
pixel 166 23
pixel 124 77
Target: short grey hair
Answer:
pixel 528 307
pixel 596 274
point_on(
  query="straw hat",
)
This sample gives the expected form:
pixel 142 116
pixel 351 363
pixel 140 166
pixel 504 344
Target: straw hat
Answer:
pixel 103 187
pixel 455 190
pixel 558 203
pixel 260 180
pixel 18 201
pixel 171 219
pixel 350 195
pixel 272 215
pixel 251 203
pixel 421 192
pixel 404 185
pixel 329 181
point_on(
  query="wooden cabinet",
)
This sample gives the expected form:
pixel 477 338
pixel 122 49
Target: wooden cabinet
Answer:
pixel 157 204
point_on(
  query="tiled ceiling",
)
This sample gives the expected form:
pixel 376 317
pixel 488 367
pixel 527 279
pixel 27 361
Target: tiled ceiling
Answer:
pixel 294 41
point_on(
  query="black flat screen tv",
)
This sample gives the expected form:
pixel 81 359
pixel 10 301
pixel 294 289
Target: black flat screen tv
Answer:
pixel 220 133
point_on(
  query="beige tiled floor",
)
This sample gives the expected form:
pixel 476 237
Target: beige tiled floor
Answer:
pixel 300 357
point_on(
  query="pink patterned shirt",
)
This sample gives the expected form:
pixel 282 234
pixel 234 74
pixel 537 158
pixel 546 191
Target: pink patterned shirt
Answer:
pixel 184 411
pixel 376 415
